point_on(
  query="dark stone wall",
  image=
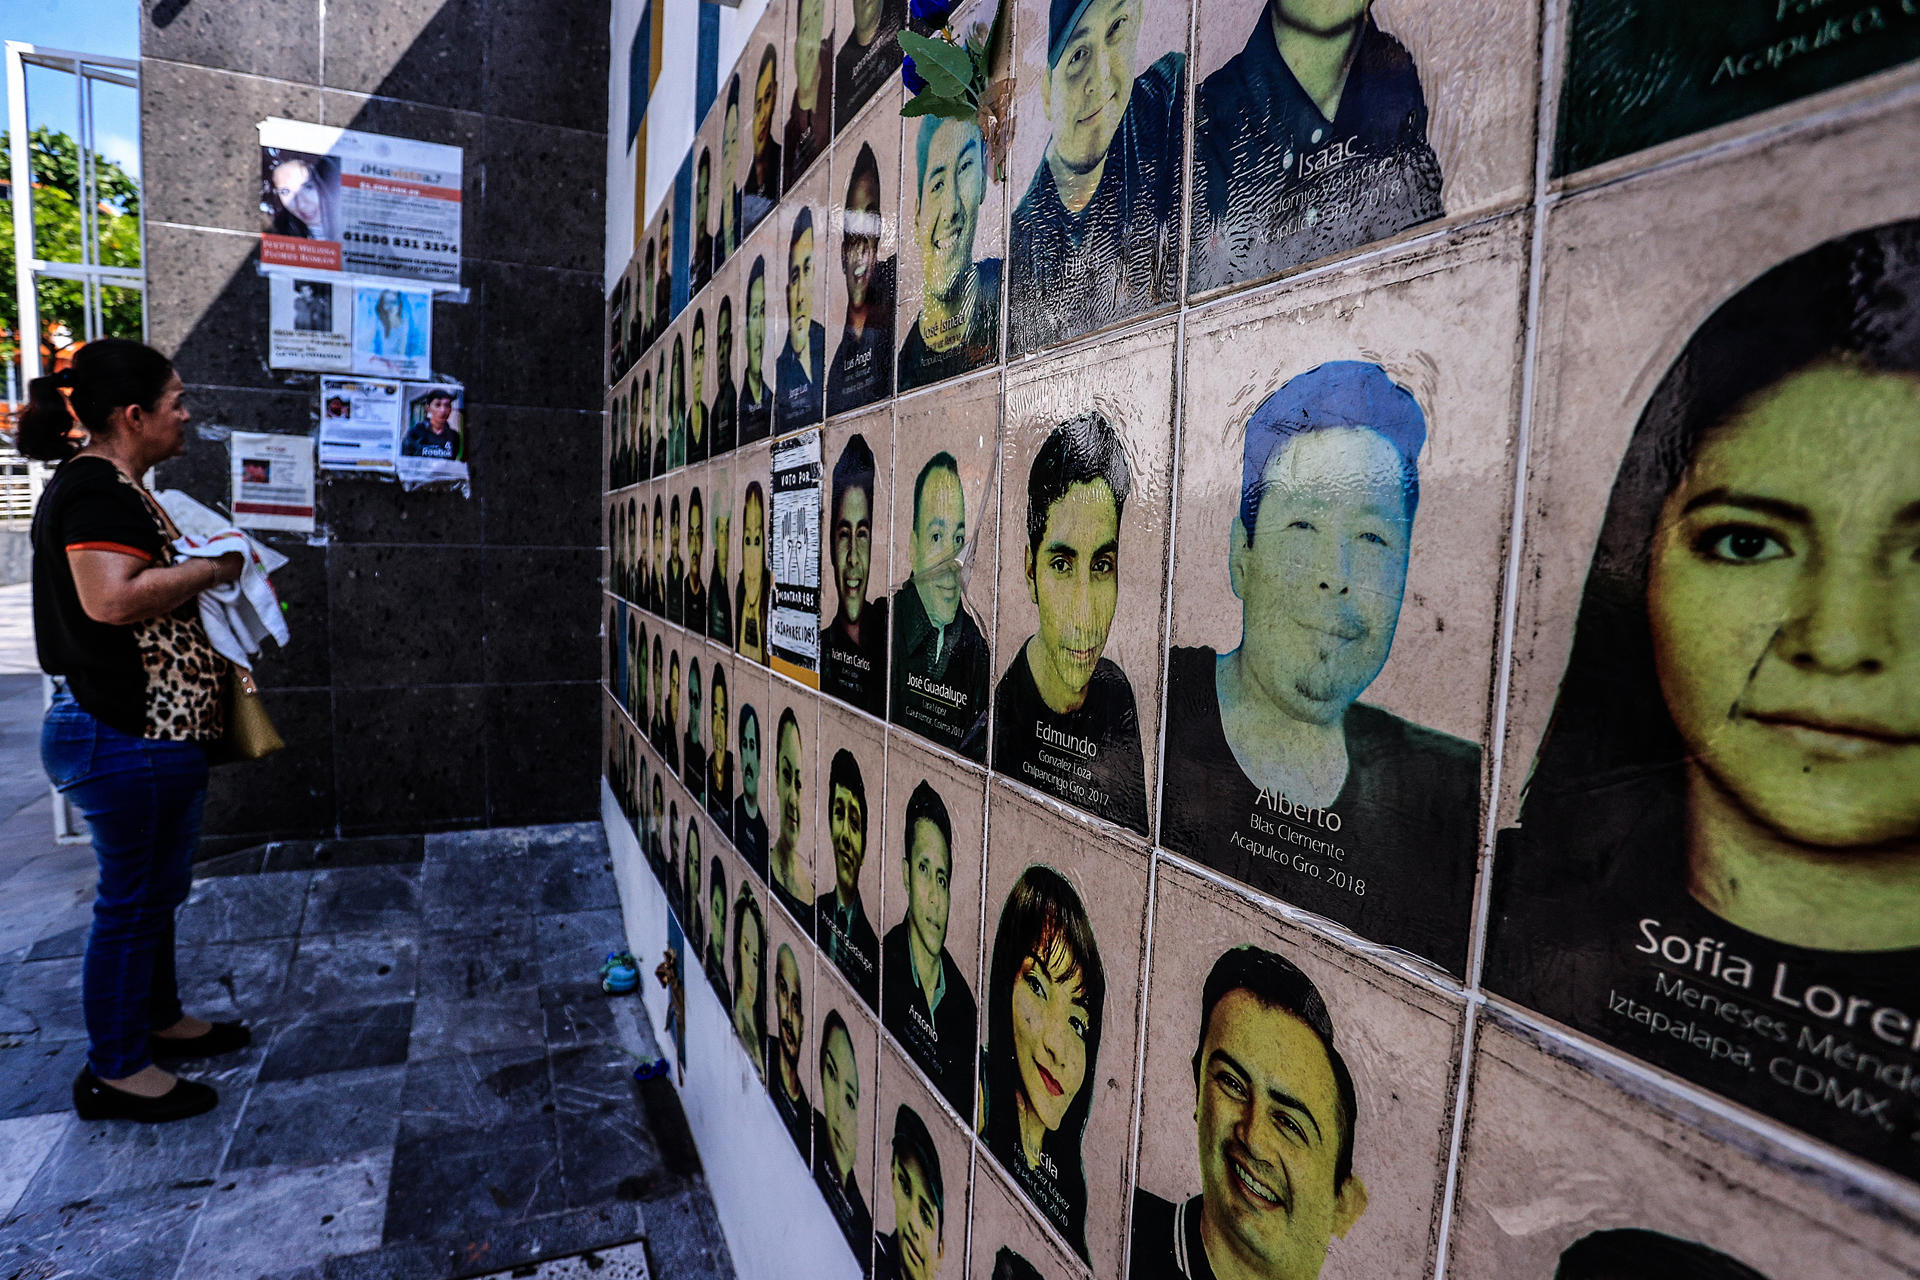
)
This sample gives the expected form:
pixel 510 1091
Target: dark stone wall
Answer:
pixel 445 649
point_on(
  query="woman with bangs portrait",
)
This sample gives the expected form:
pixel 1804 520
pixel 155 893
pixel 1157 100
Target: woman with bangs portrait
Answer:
pixel 1046 995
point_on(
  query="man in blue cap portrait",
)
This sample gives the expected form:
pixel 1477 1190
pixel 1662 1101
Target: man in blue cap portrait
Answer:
pixel 1276 773
pixel 1310 141
pixel 1095 236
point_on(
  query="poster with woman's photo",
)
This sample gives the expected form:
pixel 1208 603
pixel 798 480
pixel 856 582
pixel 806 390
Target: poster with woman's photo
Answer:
pixel 1710 854
pixel 1067 913
pixel 845 1075
pixel 922 1161
pixel 929 924
pixel 364 203
pixel 310 324
pixel 862 248
pixel 946 473
pixel 1088 455
pixel 392 332
pixel 433 442
pixel 1297 1100
pixel 1007 1242
pixel 1323 127
pixel 1343 518
pixel 1640 73
pixel 856 510
pixel 952 247
pixel 794 525
pixel 1096 166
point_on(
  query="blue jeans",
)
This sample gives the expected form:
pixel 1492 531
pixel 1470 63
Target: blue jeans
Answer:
pixel 142 800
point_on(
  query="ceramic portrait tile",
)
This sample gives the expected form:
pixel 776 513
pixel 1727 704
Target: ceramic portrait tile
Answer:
pixel 793 1031
pixel 751 829
pixel 766 77
pixel 724 359
pixel 1297 1099
pixel 700 379
pixel 946 477
pixel 795 852
pixel 651 533
pixel 929 923
pixel 1088 452
pixel 749 1008
pixel 1321 128
pixel 678 489
pixel 721 495
pixel 703 256
pixel 862 252
pixel 761 290
pixel 856 496
pixel 1715 707
pixel 731 123
pixel 1007 1241
pixel 806 105
pixel 694 736
pixel 922 1164
pixel 1571 1170
pixel 698 843
pixel 845 1075
pixel 1096 166
pixel 753 569
pixel 720 776
pixel 868 56
pixel 854 849
pixel 953 215
pixel 1066 910
pixel 1654 80
pixel 720 881
pixel 797 268
pixel 616 329
pixel 695 604
pixel 1343 515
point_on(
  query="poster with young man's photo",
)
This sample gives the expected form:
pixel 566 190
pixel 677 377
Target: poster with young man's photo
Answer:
pixel 1573 1169
pixel 1343 508
pixel 856 512
pixel 1709 853
pixel 310 324
pixel 433 439
pixel 1088 451
pixel 859 265
pixel 1297 1100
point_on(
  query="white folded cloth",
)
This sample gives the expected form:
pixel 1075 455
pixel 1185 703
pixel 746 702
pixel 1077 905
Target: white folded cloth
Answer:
pixel 238 616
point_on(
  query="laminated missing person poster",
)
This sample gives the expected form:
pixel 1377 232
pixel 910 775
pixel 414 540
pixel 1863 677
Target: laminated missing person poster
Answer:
pixel 794 538
pixel 433 439
pixel 310 325
pixel 363 203
pixel 272 481
pixel 392 332
pixel 358 421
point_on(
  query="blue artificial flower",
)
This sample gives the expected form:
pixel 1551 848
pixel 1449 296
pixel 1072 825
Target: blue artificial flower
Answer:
pixel 915 82
pixel 931 13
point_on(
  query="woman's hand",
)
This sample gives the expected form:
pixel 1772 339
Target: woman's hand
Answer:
pixel 229 567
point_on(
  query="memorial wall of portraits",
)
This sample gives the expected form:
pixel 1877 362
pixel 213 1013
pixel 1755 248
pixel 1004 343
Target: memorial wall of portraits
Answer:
pixel 1323 675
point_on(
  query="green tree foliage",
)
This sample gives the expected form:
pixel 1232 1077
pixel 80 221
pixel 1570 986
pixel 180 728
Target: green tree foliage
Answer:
pixel 55 160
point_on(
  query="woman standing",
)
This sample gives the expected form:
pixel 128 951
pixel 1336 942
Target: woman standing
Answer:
pixel 137 694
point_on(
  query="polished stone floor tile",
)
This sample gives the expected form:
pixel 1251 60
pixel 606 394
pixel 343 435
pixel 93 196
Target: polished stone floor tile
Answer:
pixel 594 1080
pixel 67 942
pixel 577 880
pixel 278 1222
pixel 481 960
pixel 25 1143
pixel 242 908
pixel 95 1161
pixel 307 1044
pixel 573 945
pixel 37 1076
pixel 578 1013
pixel 48 991
pixel 359 851
pixel 507 1244
pixel 221 981
pixel 467 893
pixel 317 1119
pixel 448 1185
pixel 376 899
pixel 608 1157
pixel 470 1091
pixel 137 1236
pixel 338 971
pixel 449 846
pixel 486 1024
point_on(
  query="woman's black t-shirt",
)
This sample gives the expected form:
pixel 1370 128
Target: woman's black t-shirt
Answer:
pixel 159 678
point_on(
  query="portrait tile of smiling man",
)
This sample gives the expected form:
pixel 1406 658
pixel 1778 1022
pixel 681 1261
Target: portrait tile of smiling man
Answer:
pixel 1720 694
pixel 943 555
pixel 853 866
pixel 1332 655
pixel 1296 1101
pixel 921 1168
pixel 1089 445
pixel 930 909
pixel 855 519
pixel 1095 235
pixel 845 1079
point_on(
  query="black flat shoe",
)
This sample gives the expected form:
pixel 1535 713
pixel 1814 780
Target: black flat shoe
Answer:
pixel 95 1100
pixel 221 1037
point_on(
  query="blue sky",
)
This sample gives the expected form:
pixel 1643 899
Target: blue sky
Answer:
pixel 87 26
